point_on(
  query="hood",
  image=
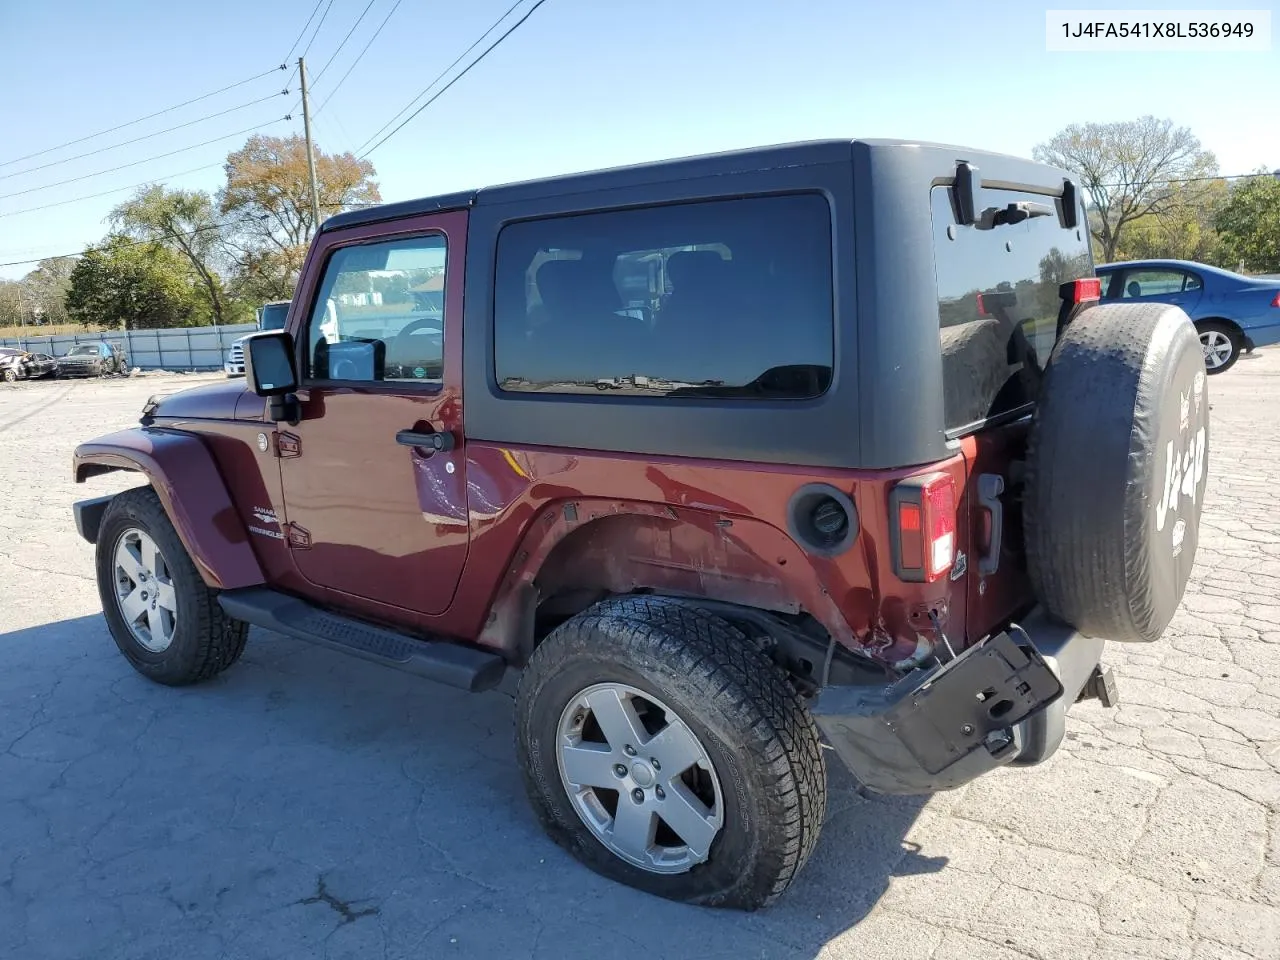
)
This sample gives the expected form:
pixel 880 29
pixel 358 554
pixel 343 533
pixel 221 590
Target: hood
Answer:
pixel 211 401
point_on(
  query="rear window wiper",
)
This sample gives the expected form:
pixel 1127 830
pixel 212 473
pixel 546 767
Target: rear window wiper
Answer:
pixel 1013 213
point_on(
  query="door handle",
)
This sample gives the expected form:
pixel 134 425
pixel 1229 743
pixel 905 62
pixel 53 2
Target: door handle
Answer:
pixel 435 441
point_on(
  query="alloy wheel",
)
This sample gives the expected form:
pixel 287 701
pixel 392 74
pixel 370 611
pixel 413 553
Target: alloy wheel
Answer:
pixel 1217 348
pixel 639 778
pixel 144 590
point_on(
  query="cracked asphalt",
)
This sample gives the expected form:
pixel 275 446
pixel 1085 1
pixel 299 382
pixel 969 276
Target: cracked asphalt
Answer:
pixel 308 805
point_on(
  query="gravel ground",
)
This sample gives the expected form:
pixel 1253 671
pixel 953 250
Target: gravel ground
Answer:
pixel 306 804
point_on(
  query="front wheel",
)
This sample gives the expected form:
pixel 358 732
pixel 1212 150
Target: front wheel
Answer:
pixel 1221 343
pixel 163 617
pixel 664 750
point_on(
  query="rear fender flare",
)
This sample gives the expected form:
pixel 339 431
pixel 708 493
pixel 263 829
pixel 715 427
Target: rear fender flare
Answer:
pixel 185 477
pixel 620 546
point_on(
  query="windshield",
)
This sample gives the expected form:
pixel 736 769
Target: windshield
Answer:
pixel 998 302
pixel 274 316
pixel 88 350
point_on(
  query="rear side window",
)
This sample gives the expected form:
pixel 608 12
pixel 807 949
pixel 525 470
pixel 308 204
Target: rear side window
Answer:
pixel 998 302
pixel 717 298
pixel 1154 283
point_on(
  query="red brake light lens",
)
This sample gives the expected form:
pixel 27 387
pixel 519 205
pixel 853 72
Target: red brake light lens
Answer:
pixel 910 539
pixel 1276 301
pixel 982 307
pixel 1086 289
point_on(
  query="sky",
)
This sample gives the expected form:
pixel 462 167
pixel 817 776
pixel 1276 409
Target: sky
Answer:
pixel 581 85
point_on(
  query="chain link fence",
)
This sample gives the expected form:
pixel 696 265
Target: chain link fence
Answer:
pixel 183 348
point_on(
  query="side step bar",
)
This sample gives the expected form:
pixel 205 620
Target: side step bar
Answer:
pixel 449 663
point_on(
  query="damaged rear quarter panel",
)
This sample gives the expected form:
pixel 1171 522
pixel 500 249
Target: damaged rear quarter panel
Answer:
pixel 561 520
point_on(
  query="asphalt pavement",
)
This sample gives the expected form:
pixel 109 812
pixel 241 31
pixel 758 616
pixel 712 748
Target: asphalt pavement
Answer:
pixel 305 804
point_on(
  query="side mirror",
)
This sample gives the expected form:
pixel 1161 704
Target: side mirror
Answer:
pixel 270 372
pixel 268 363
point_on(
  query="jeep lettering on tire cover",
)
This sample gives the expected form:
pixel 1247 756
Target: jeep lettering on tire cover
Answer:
pixel 1116 470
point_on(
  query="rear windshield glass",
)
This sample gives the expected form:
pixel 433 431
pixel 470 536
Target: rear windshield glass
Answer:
pixel 998 302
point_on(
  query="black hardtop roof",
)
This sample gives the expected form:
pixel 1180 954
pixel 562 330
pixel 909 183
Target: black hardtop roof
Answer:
pixel 799 154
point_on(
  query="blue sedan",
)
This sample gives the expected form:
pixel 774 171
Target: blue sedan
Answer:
pixel 1232 313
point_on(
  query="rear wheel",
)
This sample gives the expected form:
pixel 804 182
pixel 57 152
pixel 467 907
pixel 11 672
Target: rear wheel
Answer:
pixel 665 751
pixel 11 376
pixel 164 619
pixel 1221 343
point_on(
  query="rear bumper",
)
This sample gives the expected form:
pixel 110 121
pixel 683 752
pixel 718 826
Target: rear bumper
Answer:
pixel 1262 336
pixel 936 731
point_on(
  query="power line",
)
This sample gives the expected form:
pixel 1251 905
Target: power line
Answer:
pixel 125 166
pixel 343 43
pixel 132 186
pixel 445 72
pixel 107 193
pixel 176 106
pixel 125 143
pixel 1149 183
pixel 136 243
pixel 303 31
pixel 357 59
pixel 307 48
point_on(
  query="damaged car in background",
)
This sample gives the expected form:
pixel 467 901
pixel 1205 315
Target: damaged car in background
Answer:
pixel 16 364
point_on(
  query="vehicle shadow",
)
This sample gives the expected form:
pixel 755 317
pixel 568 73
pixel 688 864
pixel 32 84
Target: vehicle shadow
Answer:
pixel 304 795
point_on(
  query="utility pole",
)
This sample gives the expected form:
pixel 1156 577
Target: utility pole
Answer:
pixel 311 153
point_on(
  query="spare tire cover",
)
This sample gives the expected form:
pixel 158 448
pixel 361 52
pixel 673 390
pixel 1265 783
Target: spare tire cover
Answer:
pixel 1117 464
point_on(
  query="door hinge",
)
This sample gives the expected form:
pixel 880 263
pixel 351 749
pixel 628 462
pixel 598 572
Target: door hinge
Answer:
pixel 288 445
pixel 298 538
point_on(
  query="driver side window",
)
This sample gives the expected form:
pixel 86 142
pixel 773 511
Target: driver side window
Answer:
pixel 379 314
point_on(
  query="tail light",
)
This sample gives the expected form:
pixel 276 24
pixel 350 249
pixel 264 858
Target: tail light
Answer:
pixel 922 518
pixel 982 307
pixel 1276 301
pixel 1086 289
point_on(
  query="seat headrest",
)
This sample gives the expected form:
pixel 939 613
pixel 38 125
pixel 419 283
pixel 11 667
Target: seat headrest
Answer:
pixel 694 268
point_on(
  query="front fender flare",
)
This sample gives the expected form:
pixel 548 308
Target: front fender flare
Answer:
pixel 185 476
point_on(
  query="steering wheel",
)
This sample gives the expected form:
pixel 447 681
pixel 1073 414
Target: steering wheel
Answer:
pixel 400 347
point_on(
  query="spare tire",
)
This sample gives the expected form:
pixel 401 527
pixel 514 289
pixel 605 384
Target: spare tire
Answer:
pixel 1117 463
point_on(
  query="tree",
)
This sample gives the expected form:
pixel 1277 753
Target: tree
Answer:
pixel 12 306
pixel 137 286
pixel 185 222
pixel 265 275
pixel 1249 224
pixel 1183 231
pixel 267 203
pixel 1126 169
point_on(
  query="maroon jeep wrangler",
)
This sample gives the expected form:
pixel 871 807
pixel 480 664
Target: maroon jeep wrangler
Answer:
pixel 870 465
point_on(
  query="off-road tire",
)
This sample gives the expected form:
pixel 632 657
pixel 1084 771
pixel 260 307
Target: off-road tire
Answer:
pixel 206 641
pixel 1232 334
pixel 758 734
pixel 1117 465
